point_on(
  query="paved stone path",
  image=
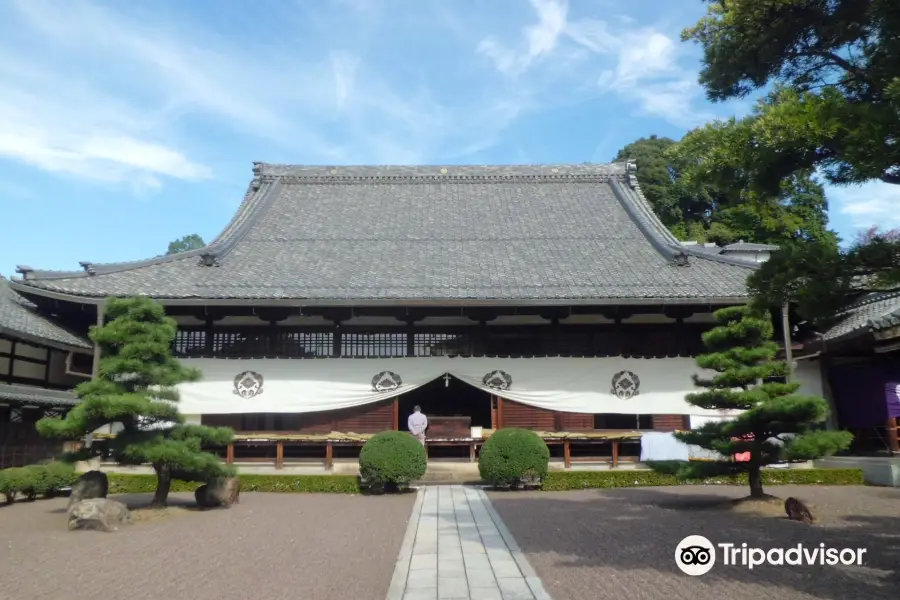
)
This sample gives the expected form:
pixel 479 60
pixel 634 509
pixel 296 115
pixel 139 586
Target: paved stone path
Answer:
pixel 456 546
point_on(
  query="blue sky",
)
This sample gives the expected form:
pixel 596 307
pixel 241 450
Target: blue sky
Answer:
pixel 129 124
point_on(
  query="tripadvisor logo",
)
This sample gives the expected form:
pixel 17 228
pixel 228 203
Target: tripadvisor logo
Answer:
pixel 696 555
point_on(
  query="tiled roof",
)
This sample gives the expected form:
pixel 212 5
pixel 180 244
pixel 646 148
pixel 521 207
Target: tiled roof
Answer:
pixel 873 312
pixel 429 234
pixel 19 318
pixel 749 247
pixel 34 395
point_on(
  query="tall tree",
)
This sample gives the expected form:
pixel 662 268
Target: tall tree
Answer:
pixel 776 423
pixel 136 387
pixel 188 242
pixel 819 279
pixel 697 211
pixel 834 68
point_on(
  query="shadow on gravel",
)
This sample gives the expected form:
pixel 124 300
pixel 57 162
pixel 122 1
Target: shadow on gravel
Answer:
pixel 631 534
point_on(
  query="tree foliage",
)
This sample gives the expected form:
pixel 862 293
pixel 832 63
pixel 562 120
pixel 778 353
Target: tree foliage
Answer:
pixel 820 280
pixel 776 423
pixel 723 213
pixel 136 387
pixel 188 242
pixel 834 106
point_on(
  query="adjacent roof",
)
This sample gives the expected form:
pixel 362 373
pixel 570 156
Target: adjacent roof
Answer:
pixel 580 233
pixel 20 319
pixel 743 246
pixel 874 312
pixel 23 394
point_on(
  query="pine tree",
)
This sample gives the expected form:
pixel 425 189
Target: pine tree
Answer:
pixel 776 423
pixel 136 387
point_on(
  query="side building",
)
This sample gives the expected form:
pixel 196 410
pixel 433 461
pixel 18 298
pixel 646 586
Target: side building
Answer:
pixel 40 363
pixel 337 298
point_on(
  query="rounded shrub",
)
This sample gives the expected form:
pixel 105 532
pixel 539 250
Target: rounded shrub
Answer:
pixel 391 459
pixel 514 457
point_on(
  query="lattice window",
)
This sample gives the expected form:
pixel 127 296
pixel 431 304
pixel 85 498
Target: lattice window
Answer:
pixel 247 344
pixel 443 344
pixel 292 344
pixel 189 342
pixel 365 345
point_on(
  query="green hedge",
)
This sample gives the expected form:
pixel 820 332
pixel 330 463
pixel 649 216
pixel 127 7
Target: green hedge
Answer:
pixel 36 480
pixel 123 483
pixel 392 458
pixel 513 457
pixel 576 480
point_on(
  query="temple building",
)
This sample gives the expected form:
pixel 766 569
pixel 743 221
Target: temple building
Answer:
pixel 40 363
pixel 337 298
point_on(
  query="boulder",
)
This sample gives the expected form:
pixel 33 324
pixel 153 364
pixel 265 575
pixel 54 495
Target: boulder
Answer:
pixel 798 511
pixel 93 484
pixel 98 514
pixel 223 491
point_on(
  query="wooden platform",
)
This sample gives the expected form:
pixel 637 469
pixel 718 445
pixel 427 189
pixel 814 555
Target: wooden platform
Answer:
pixel 330 442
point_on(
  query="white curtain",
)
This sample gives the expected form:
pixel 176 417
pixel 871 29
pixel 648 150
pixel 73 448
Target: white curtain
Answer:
pixel 584 385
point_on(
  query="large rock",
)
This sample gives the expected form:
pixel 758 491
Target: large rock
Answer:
pixel 798 511
pixel 98 514
pixel 223 491
pixel 93 484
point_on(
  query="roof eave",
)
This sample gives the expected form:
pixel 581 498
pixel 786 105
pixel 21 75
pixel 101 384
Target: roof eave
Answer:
pixel 42 341
pixel 301 302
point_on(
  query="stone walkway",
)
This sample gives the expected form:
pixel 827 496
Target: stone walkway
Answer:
pixel 456 546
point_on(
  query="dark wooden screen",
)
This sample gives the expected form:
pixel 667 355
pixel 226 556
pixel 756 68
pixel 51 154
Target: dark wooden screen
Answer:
pixel 369 418
pixel 670 422
pixel 515 414
pixel 569 421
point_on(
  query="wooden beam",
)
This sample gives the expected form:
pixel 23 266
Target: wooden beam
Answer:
pixel 396 413
pixel 95 370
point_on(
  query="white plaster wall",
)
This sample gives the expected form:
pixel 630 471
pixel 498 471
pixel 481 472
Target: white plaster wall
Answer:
pixel 808 374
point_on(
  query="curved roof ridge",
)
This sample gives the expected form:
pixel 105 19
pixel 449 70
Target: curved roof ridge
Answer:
pixel 247 213
pixel 634 201
pixel 448 172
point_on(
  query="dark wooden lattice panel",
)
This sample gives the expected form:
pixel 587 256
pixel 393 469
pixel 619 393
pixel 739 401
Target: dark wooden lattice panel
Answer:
pixel 240 343
pixel 189 342
pixel 366 345
pixel 443 344
pixel 569 421
pixel 515 414
pixel 670 422
pixel 298 344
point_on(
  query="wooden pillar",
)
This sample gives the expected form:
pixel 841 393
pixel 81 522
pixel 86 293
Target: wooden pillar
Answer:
pixel 893 435
pixel 229 454
pixel 567 454
pixel 95 370
pixel 615 453
pixel 396 413
pixel 279 454
pixel 499 412
pixel 329 455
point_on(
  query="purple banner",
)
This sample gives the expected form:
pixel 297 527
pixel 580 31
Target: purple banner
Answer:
pixel 859 392
pixel 892 396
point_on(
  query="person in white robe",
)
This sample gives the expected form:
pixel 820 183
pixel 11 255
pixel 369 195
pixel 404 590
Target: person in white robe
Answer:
pixel 417 424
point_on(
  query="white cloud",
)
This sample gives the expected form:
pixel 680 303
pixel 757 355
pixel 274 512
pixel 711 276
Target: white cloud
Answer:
pixel 873 203
pixel 641 65
pixel 121 96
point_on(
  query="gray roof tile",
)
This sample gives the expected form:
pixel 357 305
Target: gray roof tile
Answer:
pixel 749 247
pixel 575 232
pixel 19 318
pixel 873 312
pixel 34 395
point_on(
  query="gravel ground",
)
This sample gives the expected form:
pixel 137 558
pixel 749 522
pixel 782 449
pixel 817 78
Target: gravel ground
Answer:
pixel 620 544
pixel 271 546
